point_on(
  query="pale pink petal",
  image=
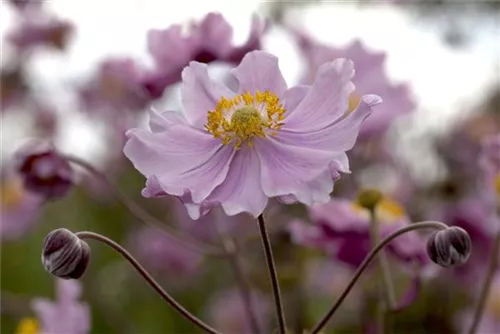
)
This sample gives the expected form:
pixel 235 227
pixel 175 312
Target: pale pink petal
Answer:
pixel 327 99
pixel 169 48
pixel 215 34
pixel 200 94
pixel 259 70
pixel 287 169
pixel 241 191
pixel 160 121
pixel 153 188
pixel 293 96
pixel 181 158
pixel 339 136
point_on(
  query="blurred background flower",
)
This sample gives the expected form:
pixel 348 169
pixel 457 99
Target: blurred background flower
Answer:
pixel 80 74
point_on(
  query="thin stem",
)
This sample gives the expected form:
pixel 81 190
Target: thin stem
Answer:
pixel 483 296
pixel 387 289
pixel 266 243
pixel 149 279
pixel 368 259
pixel 231 249
pixel 141 214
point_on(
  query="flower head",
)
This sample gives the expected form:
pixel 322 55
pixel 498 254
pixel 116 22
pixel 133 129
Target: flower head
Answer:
pixel 65 315
pixel 342 229
pixel 44 171
pixel 370 78
pixel 64 254
pixel 207 41
pixel 450 247
pixel 239 148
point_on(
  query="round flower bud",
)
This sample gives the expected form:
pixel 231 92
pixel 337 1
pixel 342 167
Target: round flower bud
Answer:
pixel 43 170
pixel 369 198
pixel 64 254
pixel 449 247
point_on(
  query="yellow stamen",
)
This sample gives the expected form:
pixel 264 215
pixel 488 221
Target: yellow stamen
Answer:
pixel 245 116
pixel 389 211
pixel 28 325
pixel 353 102
pixel 11 193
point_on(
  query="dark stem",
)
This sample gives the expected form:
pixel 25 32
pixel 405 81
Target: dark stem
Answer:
pixel 149 279
pixel 366 262
pixel 141 214
pixel 483 296
pixel 266 243
pixel 231 249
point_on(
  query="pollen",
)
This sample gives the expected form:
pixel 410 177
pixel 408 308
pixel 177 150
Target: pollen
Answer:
pixel 389 211
pixel 11 193
pixel 28 326
pixel 239 119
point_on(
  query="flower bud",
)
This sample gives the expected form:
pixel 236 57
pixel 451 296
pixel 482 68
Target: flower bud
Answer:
pixel 44 171
pixel 449 247
pixel 64 254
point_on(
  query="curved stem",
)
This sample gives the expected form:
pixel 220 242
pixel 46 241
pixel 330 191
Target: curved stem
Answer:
pixel 266 243
pixel 366 262
pixel 149 279
pixel 483 296
pixel 231 250
pixel 140 213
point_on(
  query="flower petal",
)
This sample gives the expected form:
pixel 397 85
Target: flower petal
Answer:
pixel 287 169
pixel 169 48
pixel 161 121
pixel 181 158
pixel 339 136
pixel 200 94
pixel 215 34
pixel 293 96
pixel 327 99
pixel 259 70
pixel 242 191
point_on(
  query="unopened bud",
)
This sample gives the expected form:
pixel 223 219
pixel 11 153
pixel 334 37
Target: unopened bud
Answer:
pixel 369 198
pixel 449 247
pixel 64 254
pixel 44 171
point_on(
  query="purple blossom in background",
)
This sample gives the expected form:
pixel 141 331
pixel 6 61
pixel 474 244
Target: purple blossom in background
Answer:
pixel 19 208
pixel 31 34
pixel 226 312
pixel 208 41
pixel 164 254
pixel 238 149
pixel 371 78
pixel 66 315
pixel 115 88
pixel 342 229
